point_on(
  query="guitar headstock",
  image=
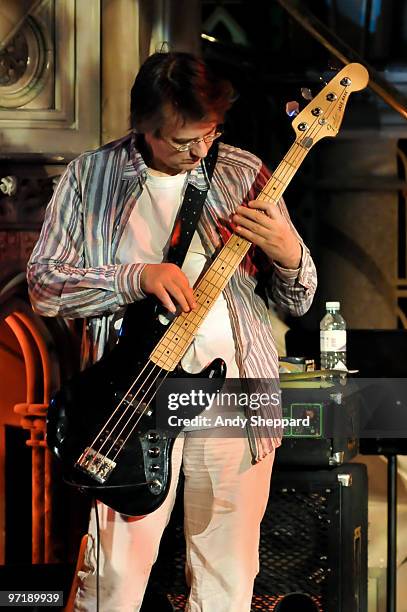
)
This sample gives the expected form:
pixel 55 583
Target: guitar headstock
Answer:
pixel 323 115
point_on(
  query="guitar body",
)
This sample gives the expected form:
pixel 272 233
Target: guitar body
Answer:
pixel 95 418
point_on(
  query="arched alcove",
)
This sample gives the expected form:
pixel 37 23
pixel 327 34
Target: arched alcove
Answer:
pixel 36 356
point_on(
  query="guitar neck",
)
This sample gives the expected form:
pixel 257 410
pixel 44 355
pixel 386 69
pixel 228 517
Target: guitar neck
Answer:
pixel 180 334
pixel 285 171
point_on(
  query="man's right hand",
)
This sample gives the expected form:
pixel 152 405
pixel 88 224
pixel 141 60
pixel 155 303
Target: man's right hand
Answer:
pixel 169 284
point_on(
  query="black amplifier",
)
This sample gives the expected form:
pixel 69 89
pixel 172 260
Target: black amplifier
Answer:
pixel 319 424
pixel 376 354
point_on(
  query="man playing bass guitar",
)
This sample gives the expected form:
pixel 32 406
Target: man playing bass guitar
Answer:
pixel 103 246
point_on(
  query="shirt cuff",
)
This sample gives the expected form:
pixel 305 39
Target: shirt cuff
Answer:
pixel 286 273
pixel 304 275
pixel 289 274
pixel 127 281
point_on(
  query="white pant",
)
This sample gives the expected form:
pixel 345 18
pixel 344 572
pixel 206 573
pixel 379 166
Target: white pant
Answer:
pixel 225 497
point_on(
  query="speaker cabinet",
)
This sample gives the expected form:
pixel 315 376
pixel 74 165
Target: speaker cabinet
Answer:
pixel 313 547
pixel 313 553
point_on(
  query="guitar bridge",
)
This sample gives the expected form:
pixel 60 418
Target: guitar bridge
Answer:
pixel 95 465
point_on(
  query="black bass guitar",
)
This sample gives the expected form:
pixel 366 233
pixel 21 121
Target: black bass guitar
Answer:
pixel 103 423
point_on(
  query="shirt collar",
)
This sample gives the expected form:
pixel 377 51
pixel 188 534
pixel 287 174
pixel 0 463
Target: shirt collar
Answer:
pixel 136 167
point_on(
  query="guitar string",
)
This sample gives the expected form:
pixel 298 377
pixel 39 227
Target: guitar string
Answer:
pixel 124 400
pixel 147 405
pixel 130 404
pixel 128 422
pixel 98 435
pixel 181 332
pixel 137 421
pixel 302 152
pixel 118 406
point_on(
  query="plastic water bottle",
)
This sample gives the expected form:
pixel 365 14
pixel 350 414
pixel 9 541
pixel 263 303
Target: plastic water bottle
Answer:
pixel 333 338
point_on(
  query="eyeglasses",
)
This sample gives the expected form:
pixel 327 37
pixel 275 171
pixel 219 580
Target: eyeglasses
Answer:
pixel 188 145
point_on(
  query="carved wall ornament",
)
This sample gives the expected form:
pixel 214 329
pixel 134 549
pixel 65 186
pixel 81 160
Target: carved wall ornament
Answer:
pixel 13 61
pixel 50 80
pixel 25 64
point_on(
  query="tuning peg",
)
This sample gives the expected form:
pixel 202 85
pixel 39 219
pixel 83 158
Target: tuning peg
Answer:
pixel 306 93
pixel 292 108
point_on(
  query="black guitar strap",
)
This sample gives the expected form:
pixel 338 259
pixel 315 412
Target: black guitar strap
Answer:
pixel 189 213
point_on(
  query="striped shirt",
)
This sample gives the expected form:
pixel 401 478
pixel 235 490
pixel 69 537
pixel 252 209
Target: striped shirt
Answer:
pixel 73 270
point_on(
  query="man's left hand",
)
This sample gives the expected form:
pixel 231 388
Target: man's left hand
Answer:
pixel 265 226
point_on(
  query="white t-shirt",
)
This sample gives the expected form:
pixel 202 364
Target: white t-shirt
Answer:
pixel 146 239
